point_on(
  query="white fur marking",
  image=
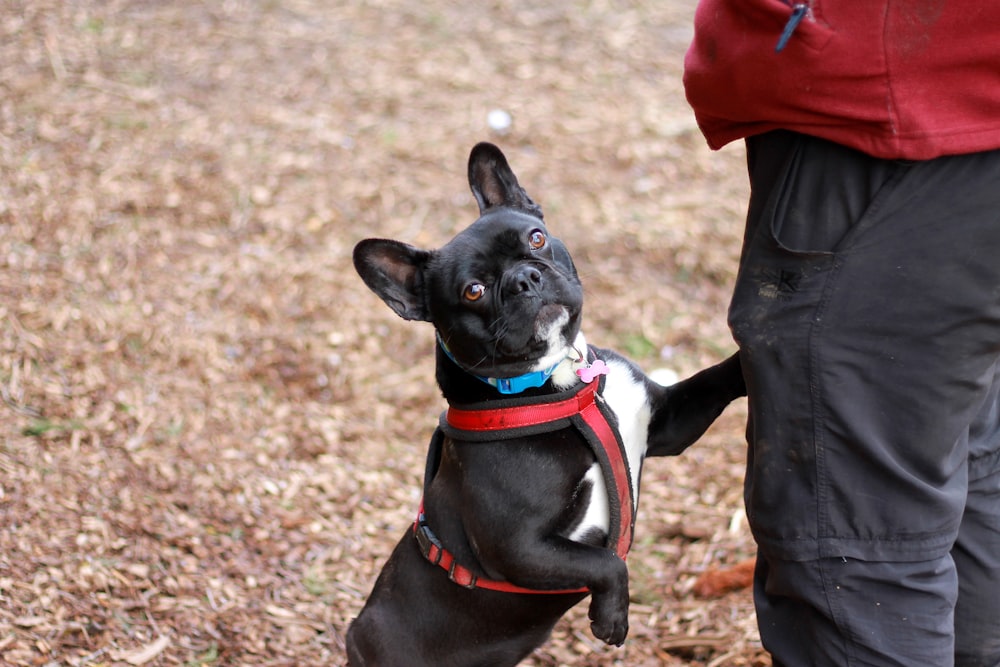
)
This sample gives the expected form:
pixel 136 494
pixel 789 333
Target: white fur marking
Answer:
pixel 552 335
pixel 565 376
pixel 628 399
pixel 598 514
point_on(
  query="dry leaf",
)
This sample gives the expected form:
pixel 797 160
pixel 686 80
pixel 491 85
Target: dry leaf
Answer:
pixel 141 656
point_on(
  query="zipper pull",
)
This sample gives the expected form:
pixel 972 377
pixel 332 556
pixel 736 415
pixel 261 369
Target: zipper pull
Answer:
pixel 799 11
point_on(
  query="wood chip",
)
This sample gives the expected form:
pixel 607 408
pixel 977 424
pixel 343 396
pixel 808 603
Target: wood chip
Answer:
pixel 141 656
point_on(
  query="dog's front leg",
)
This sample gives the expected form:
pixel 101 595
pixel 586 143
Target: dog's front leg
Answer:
pixel 608 611
pixel 520 503
pixel 684 411
pixel 558 563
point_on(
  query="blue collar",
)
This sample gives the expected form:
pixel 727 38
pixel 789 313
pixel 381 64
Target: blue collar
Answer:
pixel 514 385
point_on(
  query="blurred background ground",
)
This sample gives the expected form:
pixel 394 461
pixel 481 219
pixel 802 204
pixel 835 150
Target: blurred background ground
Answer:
pixel 211 434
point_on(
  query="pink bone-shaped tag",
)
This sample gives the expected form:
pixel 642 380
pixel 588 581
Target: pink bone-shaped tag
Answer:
pixel 589 373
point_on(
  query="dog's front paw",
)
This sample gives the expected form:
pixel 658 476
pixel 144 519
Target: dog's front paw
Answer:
pixel 609 618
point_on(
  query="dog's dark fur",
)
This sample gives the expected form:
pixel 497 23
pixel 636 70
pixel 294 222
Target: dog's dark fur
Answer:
pixel 505 297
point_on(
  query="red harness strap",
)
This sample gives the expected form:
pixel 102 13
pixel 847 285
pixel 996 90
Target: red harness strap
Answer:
pixel 584 411
pixel 502 419
pixel 431 547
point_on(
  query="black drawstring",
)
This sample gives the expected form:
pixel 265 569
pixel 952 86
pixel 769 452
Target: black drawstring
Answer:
pixel 799 10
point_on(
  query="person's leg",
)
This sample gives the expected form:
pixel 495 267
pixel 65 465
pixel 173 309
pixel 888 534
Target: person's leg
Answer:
pixel 833 612
pixel 868 319
pixel 977 551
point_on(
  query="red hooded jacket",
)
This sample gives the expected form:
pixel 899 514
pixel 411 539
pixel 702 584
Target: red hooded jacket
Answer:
pixel 908 79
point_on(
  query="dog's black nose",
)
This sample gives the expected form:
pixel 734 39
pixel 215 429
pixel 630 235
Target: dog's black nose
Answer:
pixel 525 279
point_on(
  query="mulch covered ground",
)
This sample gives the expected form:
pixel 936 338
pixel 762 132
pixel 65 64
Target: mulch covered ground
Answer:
pixel 211 434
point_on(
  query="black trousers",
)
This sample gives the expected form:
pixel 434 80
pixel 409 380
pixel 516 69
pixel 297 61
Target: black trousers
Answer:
pixel 867 312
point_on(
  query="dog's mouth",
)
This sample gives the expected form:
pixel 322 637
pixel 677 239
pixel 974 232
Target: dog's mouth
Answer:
pixel 551 331
pixel 543 346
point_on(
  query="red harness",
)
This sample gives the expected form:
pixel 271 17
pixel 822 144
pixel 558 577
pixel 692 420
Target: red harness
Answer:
pixel 583 408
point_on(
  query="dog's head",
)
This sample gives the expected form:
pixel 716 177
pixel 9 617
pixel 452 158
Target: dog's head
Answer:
pixel 503 294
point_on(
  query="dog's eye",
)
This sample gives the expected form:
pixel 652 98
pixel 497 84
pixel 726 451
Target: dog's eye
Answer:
pixel 474 291
pixel 537 239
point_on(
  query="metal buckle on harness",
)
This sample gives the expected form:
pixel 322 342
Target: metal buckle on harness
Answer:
pixel 429 544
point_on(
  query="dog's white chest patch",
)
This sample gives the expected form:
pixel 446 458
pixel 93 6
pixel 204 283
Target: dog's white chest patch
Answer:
pixel 627 398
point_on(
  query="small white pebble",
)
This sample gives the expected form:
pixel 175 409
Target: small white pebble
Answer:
pixel 498 120
pixel 664 376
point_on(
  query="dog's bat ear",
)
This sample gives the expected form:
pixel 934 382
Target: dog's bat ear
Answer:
pixel 394 271
pixel 493 182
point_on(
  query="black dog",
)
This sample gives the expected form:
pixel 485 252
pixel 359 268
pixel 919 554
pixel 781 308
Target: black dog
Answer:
pixel 532 477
